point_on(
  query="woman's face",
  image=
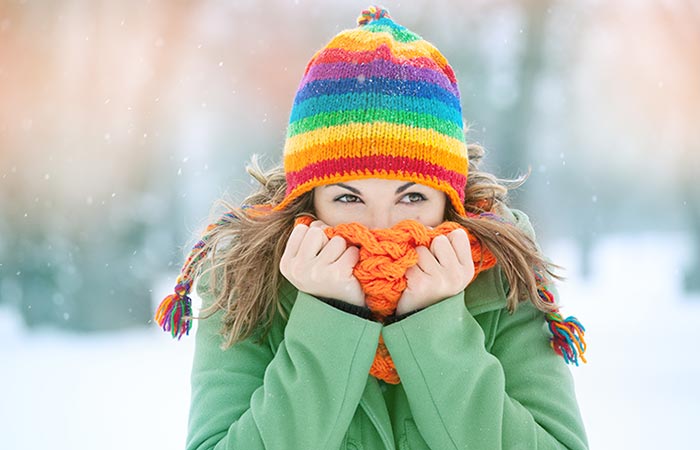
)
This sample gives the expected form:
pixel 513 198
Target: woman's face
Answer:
pixel 379 203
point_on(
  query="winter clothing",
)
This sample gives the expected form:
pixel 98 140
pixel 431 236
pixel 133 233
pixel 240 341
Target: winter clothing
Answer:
pixel 385 255
pixel 378 101
pixel 473 376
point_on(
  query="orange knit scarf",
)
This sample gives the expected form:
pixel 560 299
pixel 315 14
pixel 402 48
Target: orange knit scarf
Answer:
pixel 385 255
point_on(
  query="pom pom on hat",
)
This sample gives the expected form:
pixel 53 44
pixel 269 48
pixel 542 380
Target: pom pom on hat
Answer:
pixel 372 13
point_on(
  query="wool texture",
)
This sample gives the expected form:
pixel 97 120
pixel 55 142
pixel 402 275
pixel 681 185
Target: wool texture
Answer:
pixel 378 101
pixel 385 255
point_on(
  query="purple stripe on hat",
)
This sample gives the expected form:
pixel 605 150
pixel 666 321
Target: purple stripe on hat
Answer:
pixel 379 68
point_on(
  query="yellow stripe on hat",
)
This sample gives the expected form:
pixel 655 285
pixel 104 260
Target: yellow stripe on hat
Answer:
pixel 379 131
pixel 367 147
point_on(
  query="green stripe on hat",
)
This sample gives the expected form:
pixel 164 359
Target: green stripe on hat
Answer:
pixel 410 118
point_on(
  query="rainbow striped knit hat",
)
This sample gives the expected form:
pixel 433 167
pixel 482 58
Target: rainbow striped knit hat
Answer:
pixel 378 101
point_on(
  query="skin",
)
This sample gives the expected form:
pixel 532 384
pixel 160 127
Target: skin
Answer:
pixel 323 268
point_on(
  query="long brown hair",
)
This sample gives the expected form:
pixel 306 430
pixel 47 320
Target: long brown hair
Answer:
pixel 248 248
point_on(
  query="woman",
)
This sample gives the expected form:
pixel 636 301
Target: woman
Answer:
pixel 377 292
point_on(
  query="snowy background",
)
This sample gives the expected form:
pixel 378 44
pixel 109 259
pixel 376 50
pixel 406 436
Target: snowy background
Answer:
pixel 122 122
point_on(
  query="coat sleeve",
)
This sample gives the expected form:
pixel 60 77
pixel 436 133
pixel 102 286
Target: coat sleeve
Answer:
pixel 517 395
pixel 301 395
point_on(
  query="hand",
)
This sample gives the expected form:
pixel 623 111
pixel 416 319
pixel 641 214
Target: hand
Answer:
pixel 321 267
pixel 443 271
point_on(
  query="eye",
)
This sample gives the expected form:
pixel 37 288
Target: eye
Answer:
pixel 347 198
pixel 413 197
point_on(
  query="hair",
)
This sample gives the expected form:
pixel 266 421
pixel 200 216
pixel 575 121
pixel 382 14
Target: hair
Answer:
pixel 243 255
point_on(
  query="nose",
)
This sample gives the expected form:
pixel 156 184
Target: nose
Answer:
pixel 378 218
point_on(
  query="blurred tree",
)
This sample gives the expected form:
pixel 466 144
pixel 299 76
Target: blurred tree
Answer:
pixel 681 23
pixel 515 139
pixel 90 237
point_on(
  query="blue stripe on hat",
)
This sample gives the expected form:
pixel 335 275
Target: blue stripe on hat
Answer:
pixel 377 86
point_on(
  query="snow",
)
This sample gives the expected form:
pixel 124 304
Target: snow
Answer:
pixel 109 391
pixel 639 389
pixel 131 389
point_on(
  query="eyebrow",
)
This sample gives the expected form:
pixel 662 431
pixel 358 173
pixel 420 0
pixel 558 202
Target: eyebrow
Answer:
pixel 403 187
pixel 399 190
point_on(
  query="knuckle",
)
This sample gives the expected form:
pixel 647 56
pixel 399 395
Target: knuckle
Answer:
pixel 316 275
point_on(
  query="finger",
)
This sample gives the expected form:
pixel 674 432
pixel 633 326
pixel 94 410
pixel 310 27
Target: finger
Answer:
pixel 349 258
pixel 294 241
pixel 413 272
pixel 319 224
pixel 313 242
pixel 332 250
pixel 426 261
pixel 460 243
pixel 443 251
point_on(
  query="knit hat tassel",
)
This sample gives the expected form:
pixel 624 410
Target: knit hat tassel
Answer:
pixel 175 311
pixel 567 334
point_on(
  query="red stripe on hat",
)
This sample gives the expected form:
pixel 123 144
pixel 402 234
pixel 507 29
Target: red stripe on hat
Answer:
pixel 380 166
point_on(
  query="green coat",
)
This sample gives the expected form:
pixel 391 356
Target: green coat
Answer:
pixel 473 376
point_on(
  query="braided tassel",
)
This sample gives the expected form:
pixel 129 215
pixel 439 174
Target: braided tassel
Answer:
pixel 175 311
pixel 567 334
pixel 174 314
